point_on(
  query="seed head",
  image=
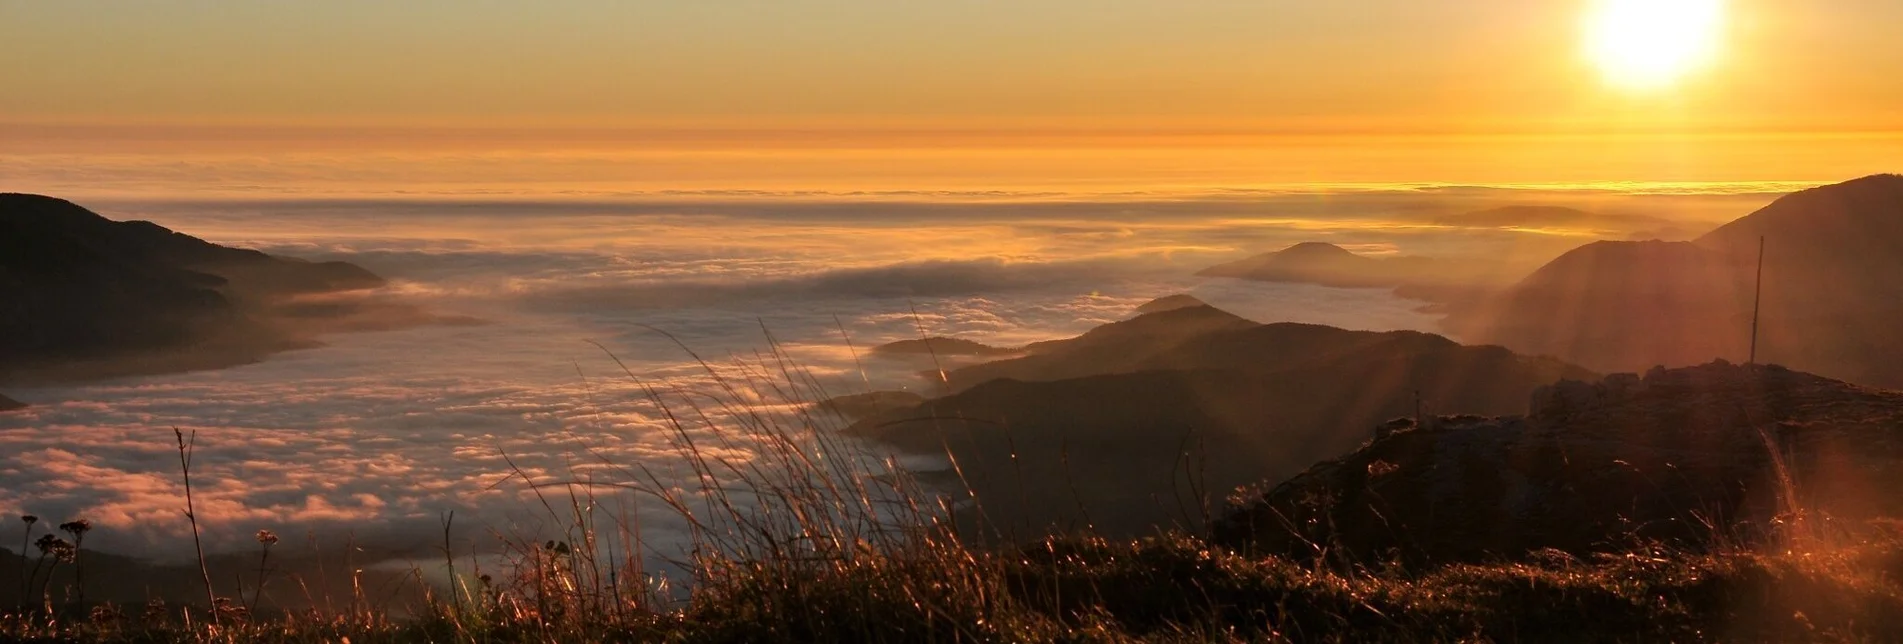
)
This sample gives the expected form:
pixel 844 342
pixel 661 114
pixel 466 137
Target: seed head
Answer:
pixel 267 537
pixel 59 549
pixel 77 528
pixel 29 519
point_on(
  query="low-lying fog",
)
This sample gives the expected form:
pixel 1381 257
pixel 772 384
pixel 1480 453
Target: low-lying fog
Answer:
pixel 378 433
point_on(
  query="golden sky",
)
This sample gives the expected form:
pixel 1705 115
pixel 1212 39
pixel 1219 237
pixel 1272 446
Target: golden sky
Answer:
pixel 942 94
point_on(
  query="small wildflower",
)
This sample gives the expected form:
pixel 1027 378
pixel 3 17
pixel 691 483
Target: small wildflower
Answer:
pixel 29 519
pixel 267 537
pixel 77 528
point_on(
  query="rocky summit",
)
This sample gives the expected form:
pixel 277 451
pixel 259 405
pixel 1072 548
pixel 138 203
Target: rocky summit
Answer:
pixel 1690 457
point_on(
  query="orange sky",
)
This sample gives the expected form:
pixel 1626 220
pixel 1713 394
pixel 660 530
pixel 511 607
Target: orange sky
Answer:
pixel 860 94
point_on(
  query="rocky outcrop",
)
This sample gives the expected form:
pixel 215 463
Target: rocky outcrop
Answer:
pixel 1690 456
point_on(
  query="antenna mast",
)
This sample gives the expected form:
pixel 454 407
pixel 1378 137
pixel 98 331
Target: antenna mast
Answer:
pixel 1757 302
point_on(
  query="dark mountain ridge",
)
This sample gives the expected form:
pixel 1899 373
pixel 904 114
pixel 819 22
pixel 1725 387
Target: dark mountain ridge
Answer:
pixel 82 296
pixel 1141 423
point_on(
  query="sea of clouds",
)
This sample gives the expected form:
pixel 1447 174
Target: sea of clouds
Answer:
pixel 589 312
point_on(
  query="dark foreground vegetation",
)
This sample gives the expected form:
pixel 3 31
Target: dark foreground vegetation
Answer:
pixel 1084 590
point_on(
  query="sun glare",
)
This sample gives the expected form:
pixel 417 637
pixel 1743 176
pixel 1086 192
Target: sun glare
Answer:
pixel 1650 44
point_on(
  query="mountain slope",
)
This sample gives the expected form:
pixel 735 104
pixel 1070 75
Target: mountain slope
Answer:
pixel 1683 456
pixel 1832 292
pixel 1131 428
pixel 76 287
pixel 1117 347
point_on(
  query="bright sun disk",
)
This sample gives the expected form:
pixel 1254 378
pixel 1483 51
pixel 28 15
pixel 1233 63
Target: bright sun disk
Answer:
pixel 1648 44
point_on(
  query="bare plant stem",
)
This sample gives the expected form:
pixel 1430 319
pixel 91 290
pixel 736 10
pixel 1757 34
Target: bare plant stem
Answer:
pixel 449 560
pixel 32 580
pixel 26 580
pixel 46 587
pixel 79 566
pixel 191 514
pixel 264 560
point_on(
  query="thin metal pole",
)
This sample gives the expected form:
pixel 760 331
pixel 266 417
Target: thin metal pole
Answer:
pixel 1757 302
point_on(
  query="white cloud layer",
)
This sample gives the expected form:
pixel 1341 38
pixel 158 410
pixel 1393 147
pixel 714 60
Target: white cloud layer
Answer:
pixel 378 433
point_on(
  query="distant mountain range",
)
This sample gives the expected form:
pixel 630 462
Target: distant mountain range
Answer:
pixel 1149 421
pixel 937 346
pixel 1429 279
pixel 1445 281
pixel 82 296
pixel 1694 458
pixel 1832 293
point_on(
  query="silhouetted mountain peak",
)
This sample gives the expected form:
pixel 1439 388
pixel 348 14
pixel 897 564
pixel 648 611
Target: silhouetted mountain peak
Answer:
pixel 20 206
pixel 1170 303
pixel 1315 263
pixel 1831 290
pixel 1315 250
pixel 9 404
pixel 1188 320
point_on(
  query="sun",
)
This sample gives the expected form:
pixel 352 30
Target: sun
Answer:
pixel 1652 44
